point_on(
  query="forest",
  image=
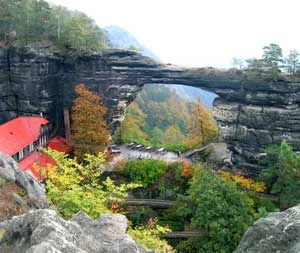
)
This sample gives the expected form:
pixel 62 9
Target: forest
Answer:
pixel 161 118
pixel 28 21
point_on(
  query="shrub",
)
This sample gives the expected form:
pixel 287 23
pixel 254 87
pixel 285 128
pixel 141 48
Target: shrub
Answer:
pixel 73 186
pixel 149 236
pixel 243 181
pixel 145 172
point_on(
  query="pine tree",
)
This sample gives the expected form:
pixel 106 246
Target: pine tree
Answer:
pixel 89 128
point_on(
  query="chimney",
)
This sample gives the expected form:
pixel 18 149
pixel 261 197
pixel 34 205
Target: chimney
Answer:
pixel 67 125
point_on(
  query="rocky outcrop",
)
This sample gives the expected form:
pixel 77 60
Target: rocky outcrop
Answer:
pixel 11 172
pixel 252 112
pixel 278 232
pixel 44 231
pixel 215 153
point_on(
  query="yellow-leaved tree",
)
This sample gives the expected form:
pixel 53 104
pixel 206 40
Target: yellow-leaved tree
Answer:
pixel 73 186
pixel 89 127
pixel 202 127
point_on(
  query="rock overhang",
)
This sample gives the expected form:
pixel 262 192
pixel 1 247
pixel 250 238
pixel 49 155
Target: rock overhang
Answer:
pixel 251 113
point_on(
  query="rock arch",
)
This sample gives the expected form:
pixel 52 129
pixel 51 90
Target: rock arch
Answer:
pixel 252 113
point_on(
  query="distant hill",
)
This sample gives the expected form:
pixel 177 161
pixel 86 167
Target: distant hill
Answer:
pixel 122 39
pixel 191 94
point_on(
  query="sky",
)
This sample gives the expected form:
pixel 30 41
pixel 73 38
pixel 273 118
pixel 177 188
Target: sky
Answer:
pixel 200 32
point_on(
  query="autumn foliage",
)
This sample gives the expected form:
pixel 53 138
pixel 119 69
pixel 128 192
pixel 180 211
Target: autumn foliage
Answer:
pixel 243 181
pixel 89 127
pixel 186 169
pixel 202 127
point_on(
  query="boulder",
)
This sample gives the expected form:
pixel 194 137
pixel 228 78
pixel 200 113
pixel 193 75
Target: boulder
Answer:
pixel 44 231
pixel 10 171
pixel 279 232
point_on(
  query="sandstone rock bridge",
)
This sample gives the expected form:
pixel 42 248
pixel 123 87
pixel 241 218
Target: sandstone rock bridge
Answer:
pixel 251 113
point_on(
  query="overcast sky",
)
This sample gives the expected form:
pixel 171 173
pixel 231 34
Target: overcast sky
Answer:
pixel 200 32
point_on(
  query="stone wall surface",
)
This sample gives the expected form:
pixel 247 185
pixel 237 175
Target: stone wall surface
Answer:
pixel 252 113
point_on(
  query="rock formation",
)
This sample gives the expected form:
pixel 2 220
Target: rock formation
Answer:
pixel 11 172
pixel 278 232
pixel 44 231
pixel 252 112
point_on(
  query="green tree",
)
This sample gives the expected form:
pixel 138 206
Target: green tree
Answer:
pixel 272 58
pixel 89 127
pixel 9 11
pixel 220 211
pixel 293 62
pixel 27 21
pixel 254 64
pixel 282 174
pixel 157 136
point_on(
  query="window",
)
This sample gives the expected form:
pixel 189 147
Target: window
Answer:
pixel 26 150
pixel 16 157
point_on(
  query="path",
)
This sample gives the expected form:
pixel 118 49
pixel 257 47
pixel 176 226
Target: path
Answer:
pixel 139 152
pixel 159 203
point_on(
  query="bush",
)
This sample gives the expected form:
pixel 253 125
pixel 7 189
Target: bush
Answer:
pixel 149 236
pixel 74 187
pixel 144 172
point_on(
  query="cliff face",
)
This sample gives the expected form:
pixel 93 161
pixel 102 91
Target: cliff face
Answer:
pixel 251 114
pixel 10 173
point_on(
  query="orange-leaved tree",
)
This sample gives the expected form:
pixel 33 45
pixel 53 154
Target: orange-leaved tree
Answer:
pixel 202 127
pixel 89 127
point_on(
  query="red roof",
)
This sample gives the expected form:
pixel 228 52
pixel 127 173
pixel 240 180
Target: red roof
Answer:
pixel 35 159
pixel 19 133
pixel 59 144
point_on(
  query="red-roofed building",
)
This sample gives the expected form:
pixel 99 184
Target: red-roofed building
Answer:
pixel 20 138
pixel 23 135
pixel 59 143
pixel 33 161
